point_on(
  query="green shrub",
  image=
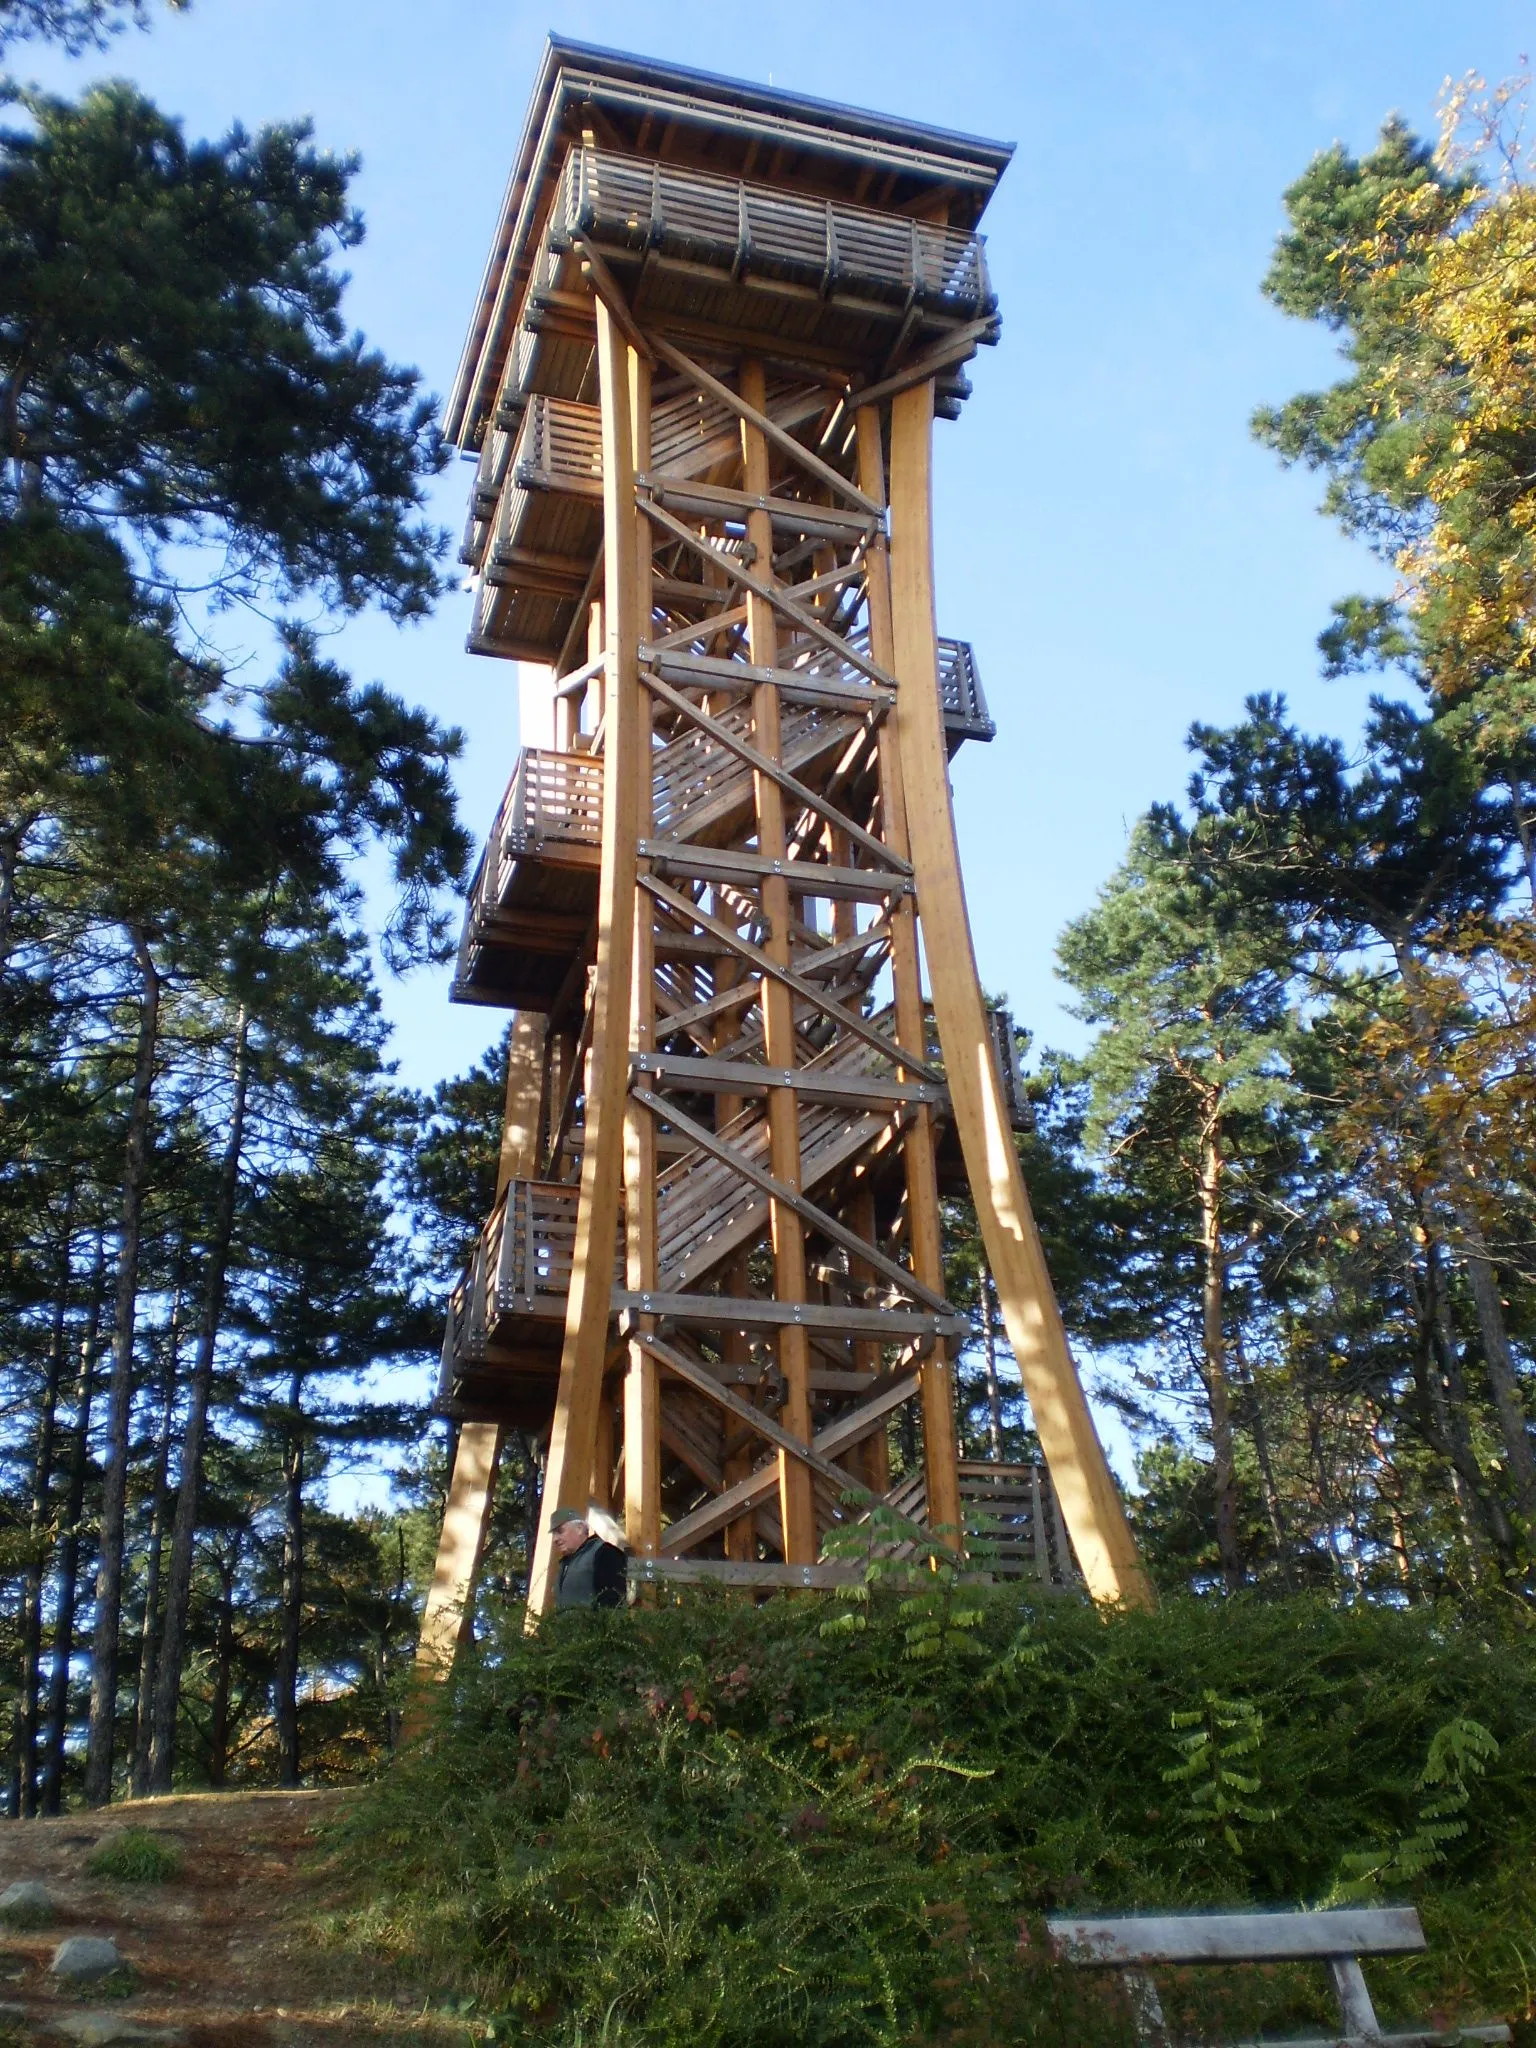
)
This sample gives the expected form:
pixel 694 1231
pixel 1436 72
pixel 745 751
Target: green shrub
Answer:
pixel 135 1856
pixel 728 1826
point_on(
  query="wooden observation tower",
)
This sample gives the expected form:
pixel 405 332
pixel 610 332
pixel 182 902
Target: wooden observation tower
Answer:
pixel 716 328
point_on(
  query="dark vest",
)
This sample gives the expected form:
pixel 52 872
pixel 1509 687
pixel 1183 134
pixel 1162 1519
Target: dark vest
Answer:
pixel 593 1577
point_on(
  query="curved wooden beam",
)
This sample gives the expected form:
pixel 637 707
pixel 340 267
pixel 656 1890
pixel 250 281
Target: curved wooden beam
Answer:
pixel 1085 1486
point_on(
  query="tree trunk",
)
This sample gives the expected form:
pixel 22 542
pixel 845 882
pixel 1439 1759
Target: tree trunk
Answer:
pixel 223 1668
pixel 1214 1339
pixel 178 1589
pixel 109 1569
pixel 69 1542
pixel 989 1353
pixel 149 1634
pixel 1259 1429
pixel 12 839
pixel 1498 1357
pixel 1328 1511
pixel 1446 1399
pixel 24 1777
pixel 286 1683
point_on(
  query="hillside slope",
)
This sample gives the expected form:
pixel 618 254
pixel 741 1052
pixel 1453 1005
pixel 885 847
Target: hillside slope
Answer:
pixel 222 1954
pixel 718 1826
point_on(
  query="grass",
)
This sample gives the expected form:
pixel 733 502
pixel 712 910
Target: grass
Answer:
pixel 730 1826
pixel 136 1856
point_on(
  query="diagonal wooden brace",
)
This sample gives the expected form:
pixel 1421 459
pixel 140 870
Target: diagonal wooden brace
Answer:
pixel 791 784
pixel 733 942
pixel 837 1436
pixel 703 1381
pixel 786 443
pixel 809 1212
pixel 770 593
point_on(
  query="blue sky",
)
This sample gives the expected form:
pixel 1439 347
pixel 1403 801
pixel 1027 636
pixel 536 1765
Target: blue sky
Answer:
pixel 1122 555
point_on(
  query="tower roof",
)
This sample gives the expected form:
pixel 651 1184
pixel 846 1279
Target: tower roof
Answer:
pixel 676 114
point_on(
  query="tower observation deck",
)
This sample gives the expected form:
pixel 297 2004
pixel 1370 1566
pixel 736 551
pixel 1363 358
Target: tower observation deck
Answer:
pixel 716 327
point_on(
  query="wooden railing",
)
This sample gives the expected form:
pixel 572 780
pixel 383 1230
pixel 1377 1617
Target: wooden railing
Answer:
pixel 743 229
pixel 960 698
pixel 1016 1512
pixel 554 800
pixel 521 1265
pixel 553 806
pixel 560 447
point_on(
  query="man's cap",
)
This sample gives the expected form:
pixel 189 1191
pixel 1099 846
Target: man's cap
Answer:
pixel 561 1516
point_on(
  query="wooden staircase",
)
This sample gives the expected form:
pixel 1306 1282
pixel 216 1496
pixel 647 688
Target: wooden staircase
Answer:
pixel 506 1312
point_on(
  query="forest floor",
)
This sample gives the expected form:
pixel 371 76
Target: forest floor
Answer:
pixel 220 1956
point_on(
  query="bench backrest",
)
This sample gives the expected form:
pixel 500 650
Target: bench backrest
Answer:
pixel 1239 1937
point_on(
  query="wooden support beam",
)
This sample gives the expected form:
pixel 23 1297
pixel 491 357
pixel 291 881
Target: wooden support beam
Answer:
pixel 789 515
pixel 924 1226
pixel 753 416
pixel 794 685
pixel 642 1391
pixel 703 1381
pixel 1085 1487
pixel 812 1084
pixel 805 877
pixel 448 1617
pixel 776 971
pixel 611 294
pixel 838 1436
pixel 802 793
pixel 830 1227
pixel 573 1434
pixel 757 1312
pixel 956 349
pixel 777 599
pixel 518 1158
pixel 797 1505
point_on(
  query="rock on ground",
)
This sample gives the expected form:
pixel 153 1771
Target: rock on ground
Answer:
pixel 26 1900
pixel 85 1957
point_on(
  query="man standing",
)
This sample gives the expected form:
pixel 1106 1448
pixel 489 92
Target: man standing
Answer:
pixel 591 1571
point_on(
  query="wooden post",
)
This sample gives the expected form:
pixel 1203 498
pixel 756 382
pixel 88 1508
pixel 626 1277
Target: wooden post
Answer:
pixel 1080 1474
pixel 924 1229
pixel 448 1617
pixel 519 1156
pixel 642 1392
pixel 573 1436
pixel 797 1507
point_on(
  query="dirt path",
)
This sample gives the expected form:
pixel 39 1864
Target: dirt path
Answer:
pixel 218 1954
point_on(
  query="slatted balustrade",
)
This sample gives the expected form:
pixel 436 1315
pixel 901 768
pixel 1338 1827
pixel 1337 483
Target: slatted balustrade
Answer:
pixel 965 708
pixel 961 698
pixel 506 1314
pixel 748 229
pixel 536 886
pixel 520 1268
pixel 560 447
pixel 1016 1510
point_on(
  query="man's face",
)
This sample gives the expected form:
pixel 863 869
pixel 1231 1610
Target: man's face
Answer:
pixel 569 1537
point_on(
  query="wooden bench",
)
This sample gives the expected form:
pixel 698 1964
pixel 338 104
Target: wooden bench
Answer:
pixel 1337 1938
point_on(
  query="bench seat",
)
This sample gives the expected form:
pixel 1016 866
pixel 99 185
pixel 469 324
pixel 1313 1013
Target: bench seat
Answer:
pixel 1338 1938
